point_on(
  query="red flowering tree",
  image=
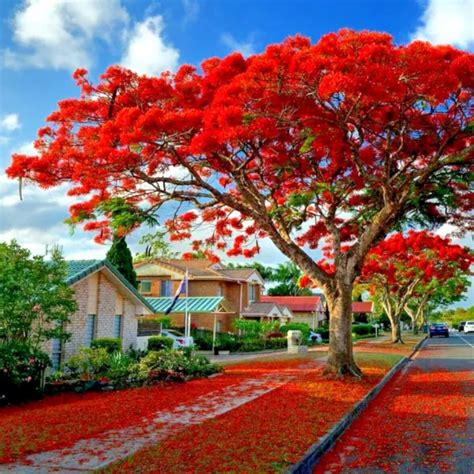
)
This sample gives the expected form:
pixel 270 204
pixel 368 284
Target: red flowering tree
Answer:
pixel 418 266
pixel 336 141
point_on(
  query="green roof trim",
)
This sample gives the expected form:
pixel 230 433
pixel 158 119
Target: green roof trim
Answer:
pixel 79 269
pixel 196 304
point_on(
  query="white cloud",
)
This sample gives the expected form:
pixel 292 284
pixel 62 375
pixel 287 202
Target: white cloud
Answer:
pixel 58 33
pixel 247 47
pixel 447 22
pixel 147 52
pixel 10 122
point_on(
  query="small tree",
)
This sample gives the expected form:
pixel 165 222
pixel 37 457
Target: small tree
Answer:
pixel 434 294
pixel 35 305
pixel 415 265
pixel 120 256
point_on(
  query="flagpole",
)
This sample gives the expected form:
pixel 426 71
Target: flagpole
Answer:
pixel 186 322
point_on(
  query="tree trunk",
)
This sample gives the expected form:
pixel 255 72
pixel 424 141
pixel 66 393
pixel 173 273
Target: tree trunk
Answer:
pixel 396 330
pixel 340 358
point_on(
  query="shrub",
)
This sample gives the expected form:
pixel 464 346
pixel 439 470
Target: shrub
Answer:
pixel 119 369
pixel 89 363
pixel 255 329
pixel 22 371
pixel 323 331
pixel 110 344
pixel 363 329
pixel 166 364
pixel 276 343
pixel 159 343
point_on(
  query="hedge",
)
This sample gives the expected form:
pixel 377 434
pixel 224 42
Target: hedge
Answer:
pixel 110 344
pixel 159 343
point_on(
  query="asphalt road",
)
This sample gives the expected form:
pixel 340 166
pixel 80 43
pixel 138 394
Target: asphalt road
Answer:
pixel 421 422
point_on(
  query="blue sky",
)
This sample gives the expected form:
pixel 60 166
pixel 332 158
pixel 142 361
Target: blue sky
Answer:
pixel 43 41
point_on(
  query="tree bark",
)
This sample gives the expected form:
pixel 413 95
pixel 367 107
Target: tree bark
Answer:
pixel 340 358
pixel 396 332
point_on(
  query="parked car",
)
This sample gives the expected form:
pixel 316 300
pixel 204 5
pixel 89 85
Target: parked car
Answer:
pixel 461 326
pixel 469 327
pixel 179 339
pixel 315 337
pixel 439 329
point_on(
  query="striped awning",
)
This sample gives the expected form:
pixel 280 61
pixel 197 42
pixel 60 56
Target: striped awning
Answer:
pixel 195 304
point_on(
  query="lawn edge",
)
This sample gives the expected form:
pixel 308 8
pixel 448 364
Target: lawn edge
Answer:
pixel 309 460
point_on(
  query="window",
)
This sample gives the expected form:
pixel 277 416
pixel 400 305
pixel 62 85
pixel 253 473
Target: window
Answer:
pixel 218 326
pixel 252 293
pixel 89 334
pixel 145 286
pixel 118 326
pixel 56 350
pixel 219 290
pixel 165 288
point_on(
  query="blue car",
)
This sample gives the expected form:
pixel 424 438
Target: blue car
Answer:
pixel 439 329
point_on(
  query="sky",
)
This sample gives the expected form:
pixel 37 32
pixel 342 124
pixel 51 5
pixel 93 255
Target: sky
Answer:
pixel 43 41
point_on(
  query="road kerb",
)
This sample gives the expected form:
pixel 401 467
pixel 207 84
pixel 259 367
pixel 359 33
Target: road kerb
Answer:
pixel 307 463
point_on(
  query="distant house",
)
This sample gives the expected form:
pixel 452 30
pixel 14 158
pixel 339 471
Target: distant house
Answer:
pixel 361 310
pixel 264 311
pixel 238 288
pixel 305 309
pixel 108 306
pixel 312 310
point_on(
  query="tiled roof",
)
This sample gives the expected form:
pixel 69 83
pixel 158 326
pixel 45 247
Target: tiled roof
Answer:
pixel 304 304
pixel 196 304
pixel 362 306
pixel 307 304
pixel 79 269
pixel 201 268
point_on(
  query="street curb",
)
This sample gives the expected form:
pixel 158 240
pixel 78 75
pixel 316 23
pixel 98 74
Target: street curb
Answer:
pixel 307 463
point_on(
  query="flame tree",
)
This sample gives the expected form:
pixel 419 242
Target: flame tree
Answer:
pixel 306 144
pixel 408 272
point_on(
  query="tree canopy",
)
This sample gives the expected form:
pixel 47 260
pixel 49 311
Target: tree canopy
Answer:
pixel 335 143
pixel 409 272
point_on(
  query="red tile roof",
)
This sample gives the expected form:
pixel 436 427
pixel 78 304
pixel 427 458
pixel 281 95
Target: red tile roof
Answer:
pixel 308 303
pixel 362 306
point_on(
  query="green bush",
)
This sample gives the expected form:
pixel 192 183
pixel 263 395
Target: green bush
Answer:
pixel 303 327
pixel 119 368
pixel 110 344
pixel 89 363
pixel 159 343
pixel 165 364
pixel 323 331
pixel 276 343
pixel 22 367
pixel 363 329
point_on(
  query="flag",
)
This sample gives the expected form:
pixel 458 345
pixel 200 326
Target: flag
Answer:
pixel 181 289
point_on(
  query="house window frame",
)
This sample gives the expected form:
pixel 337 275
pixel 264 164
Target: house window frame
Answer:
pixel 165 288
pixel 118 334
pixel 89 337
pixel 56 354
pixel 142 290
pixel 252 293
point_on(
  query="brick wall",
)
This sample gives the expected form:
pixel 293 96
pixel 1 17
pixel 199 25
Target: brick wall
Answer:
pixel 98 295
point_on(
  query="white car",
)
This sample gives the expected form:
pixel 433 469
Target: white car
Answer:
pixel 315 337
pixel 469 327
pixel 179 340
